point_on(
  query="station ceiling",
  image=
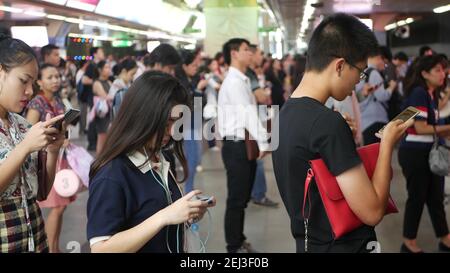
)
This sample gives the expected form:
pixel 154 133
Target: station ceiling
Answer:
pixel 290 12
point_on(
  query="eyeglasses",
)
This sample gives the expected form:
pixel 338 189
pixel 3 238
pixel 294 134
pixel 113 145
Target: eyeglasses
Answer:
pixel 362 74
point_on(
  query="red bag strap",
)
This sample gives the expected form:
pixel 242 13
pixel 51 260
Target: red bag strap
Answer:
pixel 308 179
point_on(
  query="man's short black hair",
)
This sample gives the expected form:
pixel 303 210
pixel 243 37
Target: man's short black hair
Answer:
pixel 424 49
pixel 47 50
pixel 401 56
pixel 340 35
pixel 93 50
pixel 164 54
pixel 253 47
pixel 233 44
pixel 188 56
pixel 386 53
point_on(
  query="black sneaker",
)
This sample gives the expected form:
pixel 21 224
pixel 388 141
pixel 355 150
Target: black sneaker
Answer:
pixel 265 202
pixel 405 249
pixel 246 248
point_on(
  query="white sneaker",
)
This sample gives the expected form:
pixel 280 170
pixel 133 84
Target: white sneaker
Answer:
pixel 199 169
pixel 215 149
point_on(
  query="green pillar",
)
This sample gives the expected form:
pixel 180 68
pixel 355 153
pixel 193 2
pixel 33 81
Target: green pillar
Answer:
pixel 226 19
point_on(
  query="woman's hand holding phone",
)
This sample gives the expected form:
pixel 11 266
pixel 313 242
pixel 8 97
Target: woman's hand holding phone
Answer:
pixel 42 135
pixel 58 138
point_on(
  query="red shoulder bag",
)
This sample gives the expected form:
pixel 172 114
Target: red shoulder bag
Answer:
pixel 341 217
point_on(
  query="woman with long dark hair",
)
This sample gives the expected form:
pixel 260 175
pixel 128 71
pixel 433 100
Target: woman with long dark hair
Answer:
pixel 275 76
pixel 21 223
pixel 422 82
pixel 186 72
pixel 135 204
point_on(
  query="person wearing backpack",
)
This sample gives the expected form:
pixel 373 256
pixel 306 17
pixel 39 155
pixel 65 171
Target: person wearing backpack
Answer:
pixel 394 105
pixel 374 98
pixel 126 69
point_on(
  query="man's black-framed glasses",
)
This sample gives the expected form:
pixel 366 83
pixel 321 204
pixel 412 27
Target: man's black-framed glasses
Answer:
pixel 362 74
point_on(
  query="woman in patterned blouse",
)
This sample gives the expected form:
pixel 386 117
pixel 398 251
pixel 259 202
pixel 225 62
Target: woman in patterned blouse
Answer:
pixel 21 225
pixel 47 102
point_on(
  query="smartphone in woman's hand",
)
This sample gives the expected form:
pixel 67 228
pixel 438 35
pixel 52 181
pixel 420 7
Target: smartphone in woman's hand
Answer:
pixel 69 117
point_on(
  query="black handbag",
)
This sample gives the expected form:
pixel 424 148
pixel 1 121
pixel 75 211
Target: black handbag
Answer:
pixel 251 147
pixel 42 175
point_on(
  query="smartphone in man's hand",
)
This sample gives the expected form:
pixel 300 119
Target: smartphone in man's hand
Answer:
pixel 405 115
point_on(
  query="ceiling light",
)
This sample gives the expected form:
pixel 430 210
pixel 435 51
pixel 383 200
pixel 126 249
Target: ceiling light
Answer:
pixel 35 13
pixel 398 24
pixel 80 5
pixel 56 17
pixel 58 2
pixel 10 9
pixel 308 11
pixel 442 9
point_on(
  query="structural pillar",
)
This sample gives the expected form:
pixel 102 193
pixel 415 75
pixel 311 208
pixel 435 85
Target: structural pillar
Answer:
pixel 226 19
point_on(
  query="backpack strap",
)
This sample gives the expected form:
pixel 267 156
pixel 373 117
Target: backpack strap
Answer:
pixel 368 72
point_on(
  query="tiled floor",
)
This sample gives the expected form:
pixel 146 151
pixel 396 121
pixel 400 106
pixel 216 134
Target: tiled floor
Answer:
pixel 266 228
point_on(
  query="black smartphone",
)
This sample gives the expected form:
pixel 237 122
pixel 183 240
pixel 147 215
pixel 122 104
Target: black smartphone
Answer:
pixel 69 117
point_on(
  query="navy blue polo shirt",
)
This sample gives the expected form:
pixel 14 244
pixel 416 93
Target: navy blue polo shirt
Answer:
pixel 123 194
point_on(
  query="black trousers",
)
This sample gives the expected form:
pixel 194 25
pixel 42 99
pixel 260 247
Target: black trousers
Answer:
pixel 363 245
pixel 240 178
pixel 369 134
pixel 92 136
pixel 423 187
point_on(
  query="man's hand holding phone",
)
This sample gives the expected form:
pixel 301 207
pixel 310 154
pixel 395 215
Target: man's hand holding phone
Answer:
pixel 397 127
pixel 394 130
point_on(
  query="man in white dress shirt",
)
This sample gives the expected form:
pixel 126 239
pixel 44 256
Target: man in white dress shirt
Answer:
pixel 237 113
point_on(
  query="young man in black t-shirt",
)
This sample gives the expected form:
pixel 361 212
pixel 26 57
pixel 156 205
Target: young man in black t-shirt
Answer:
pixel 337 57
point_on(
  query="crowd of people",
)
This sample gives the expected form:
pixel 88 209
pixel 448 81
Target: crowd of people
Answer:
pixel 332 100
